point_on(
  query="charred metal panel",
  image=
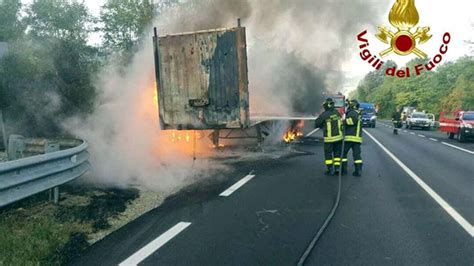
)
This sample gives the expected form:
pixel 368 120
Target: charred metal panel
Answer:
pixel 202 79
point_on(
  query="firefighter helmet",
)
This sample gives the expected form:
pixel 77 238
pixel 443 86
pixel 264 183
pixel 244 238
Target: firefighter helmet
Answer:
pixel 328 104
pixel 354 104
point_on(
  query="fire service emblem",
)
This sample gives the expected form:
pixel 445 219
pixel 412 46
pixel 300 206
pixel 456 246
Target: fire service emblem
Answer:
pixel 404 17
pixel 403 39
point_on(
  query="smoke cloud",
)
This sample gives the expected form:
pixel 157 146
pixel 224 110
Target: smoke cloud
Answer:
pixel 295 50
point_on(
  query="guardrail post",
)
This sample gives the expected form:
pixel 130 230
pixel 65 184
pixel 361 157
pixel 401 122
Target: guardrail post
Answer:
pixel 56 195
pixel 52 146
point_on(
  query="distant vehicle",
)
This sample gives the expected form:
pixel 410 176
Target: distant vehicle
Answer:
pixel 418 120
pixel 369 115
pixel 459 124
pixel 340 103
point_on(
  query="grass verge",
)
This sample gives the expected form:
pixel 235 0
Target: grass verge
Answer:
pixel 36 231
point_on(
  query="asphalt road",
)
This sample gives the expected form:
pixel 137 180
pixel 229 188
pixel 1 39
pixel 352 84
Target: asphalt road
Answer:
pixel 414 205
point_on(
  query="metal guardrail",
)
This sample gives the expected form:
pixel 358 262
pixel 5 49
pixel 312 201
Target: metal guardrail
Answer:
pixel 28 176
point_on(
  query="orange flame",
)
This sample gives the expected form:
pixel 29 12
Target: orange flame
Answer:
pixel 294 132
pixel 172 142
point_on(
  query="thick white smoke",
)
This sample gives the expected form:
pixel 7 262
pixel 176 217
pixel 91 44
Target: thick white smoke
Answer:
pixel 294 51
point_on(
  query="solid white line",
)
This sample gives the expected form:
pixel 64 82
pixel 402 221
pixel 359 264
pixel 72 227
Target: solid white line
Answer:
pixel 421 136
pixel 154 245
pixel 433 139
pixel 312 132
pixel 459 148
pixel 450 210
pixel 236 186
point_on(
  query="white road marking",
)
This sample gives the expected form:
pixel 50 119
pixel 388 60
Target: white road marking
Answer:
pixel 422 136
pixel 433 139
pixel 412 133
pixel 405 131
pixel 459 148
pixel 154 245
pixel 236 186
pixel 312 132
pixel 450 210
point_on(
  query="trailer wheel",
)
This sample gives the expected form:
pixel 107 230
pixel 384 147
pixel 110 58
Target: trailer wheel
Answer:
pixel 451 135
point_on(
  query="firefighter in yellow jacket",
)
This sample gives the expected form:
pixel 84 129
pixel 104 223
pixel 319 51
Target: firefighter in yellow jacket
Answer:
pixel 353 138
pixel 331 123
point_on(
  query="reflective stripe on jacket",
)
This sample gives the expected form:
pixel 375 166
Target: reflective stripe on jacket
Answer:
pixel 353 127
pixel 331 123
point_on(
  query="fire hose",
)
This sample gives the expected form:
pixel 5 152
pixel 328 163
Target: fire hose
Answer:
pixel 321 230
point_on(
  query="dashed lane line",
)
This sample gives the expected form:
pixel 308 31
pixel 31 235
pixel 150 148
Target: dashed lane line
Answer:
pixel 154 245
pixel 434 139
pixel 237 185
pixel 421 136
pixel 450 210
pixel 459 148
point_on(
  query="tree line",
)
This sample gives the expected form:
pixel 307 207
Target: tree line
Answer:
pixel 50 66
pixel 449 87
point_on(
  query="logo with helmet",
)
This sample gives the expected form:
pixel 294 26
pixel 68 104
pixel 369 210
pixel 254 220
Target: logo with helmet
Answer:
pixel 404 17
pixel 404 39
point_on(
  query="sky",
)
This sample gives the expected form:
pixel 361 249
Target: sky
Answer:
pixel 454 16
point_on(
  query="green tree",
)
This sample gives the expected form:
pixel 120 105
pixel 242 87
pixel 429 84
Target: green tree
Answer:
pixel 47 74
pixel 62 20
pixel 10 25
pixel 448 87
pixel 124 22
pixel 371 81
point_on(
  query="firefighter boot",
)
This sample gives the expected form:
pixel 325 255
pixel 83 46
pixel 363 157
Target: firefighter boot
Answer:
pixel 358 168
pixel 329 171
pixel 344 169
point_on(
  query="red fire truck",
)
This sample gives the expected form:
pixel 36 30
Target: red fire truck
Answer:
pixel 459 124
pixel 340 103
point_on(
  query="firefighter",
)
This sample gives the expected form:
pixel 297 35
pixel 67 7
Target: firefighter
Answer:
pixel 353 137
pixel 397 121
pixel 331 123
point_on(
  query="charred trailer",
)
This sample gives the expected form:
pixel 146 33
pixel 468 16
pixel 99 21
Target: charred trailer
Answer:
pixel 202 80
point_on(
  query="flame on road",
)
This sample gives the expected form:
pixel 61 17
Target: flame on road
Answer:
pixel 294 131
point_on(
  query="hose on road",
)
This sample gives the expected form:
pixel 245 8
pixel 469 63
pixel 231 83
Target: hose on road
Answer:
pixel 321 230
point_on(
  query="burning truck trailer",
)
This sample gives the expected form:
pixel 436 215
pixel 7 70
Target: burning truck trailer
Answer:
pixel 202 84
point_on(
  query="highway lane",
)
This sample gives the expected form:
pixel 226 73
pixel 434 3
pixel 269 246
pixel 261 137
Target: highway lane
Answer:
pixel 384 217
pixel 435 134
pixel 448 171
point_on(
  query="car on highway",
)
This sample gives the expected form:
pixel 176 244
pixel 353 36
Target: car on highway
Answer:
pixel 419 120
pixel 368 114
pixel 460 124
